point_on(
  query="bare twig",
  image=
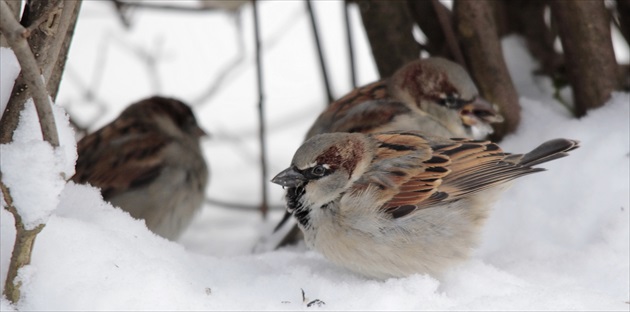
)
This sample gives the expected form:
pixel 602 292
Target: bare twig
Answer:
pixel 270 43
pixel 320 53
pixel 228 68
pixel 165 7
pixel 261 117
pixel 623 19
pixel 239 206
pixel 16 36
pixel 346 18
pixel 121 9
pixel 22 247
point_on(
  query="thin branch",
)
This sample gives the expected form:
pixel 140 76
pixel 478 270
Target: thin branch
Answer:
pixel 346 18
pixel 121 10
pixel 16 36
pixel 22 247
pixel 261 118
pixel 320 53
pixel 227 69
pixel 167 7
pixel 239 206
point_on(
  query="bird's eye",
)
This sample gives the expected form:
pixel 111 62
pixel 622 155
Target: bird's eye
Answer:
pixel 318 170
pixel 450 100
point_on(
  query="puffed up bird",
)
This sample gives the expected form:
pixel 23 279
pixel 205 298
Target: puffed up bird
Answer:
pixel 398 203
pixel 148 162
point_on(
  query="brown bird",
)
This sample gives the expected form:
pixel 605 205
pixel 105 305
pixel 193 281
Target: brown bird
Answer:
pixel 148 162
pixel 398 203
pixel 432 95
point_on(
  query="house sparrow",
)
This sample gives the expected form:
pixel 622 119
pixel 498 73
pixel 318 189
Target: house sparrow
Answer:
pixel 148 162
pixel 432 95
pixel 397 203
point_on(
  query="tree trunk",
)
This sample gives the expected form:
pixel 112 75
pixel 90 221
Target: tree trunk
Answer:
pixel 389 29
pixel 479 39
pixel 584 29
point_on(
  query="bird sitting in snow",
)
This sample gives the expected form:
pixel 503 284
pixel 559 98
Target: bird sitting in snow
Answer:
pixel 398 203
pixel 148 162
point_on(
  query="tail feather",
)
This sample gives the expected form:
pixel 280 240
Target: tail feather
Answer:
pixel 548 151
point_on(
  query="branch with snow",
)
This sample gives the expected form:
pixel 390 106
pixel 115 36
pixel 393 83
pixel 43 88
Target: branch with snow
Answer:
pixel 16 36
pixel 31 184
pixel 21 248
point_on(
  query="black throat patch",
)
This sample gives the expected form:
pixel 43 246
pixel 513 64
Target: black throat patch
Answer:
pixel 296 207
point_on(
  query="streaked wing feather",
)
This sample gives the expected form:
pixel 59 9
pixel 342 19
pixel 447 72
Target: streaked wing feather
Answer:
pixel 118 164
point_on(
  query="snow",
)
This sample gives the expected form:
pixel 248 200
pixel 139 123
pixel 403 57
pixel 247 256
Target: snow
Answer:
pixel 33 170
pixel 557 240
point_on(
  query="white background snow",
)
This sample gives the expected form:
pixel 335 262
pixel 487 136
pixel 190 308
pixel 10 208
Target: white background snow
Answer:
pixel 557 240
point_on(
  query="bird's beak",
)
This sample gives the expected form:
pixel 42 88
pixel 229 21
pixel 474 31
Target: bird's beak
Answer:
pixel 289 178
pixel 199 132
pixel 479 110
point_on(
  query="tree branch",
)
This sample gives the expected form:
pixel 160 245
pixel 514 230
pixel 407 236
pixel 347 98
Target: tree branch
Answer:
pixel 591 66
pixel 623 14
pixel 320 52
pixel 176 8
pixel 239 206
pixel 264 207
pixel 479 39
pixel 15 10
pixel 49 43
pixel 446 21
pixel 16 36
pixel 22 247
pixel 389 29
pixel 348 26
pixel 58 51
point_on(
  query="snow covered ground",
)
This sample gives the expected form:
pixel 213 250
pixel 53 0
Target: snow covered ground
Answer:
pixel 557 240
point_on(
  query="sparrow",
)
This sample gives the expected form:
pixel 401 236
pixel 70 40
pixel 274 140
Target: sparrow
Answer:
pixel 148 162
pixel 398 203
pixel 433 95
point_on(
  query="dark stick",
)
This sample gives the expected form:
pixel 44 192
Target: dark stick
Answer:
pixel 163 7
pixel 353 71
pixel 449 34
pixel 261 118
pixel 239 206
pixel 322 64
